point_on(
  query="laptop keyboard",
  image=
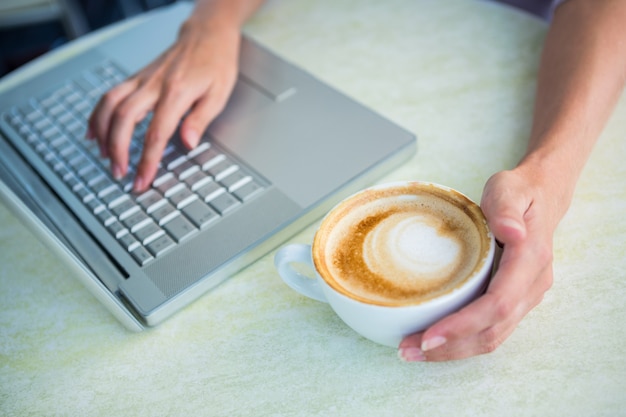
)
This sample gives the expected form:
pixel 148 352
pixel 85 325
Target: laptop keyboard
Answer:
pixel 192 189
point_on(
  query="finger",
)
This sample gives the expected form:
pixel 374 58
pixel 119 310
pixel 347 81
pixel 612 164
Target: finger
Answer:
pixel 489 339
pixel 505 207
pixel 511 290
pixel 168 111
pixel 479 344
pixel 100 118
pixel 125 116
pixel 203 113
pixel 410 349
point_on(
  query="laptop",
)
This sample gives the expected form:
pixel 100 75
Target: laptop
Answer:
pixel 286 148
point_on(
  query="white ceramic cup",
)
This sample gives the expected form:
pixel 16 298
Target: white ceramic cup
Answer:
pixel 386 324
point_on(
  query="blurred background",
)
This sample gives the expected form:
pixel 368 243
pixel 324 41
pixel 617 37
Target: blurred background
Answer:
pixel 29 28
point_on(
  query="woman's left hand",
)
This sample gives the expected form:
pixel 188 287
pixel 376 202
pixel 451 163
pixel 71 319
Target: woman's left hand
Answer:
pixel 522 214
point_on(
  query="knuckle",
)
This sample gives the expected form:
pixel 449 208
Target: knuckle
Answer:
pixel 152 136
pixel 112 96
pixel 490 347
pixel 543 257
pixel 122 111
pixel 502 307
pixel 544 254
pixel 173 85
pixel 117 154
pixel 547 281
pixel 109 97
pixel 491 341
pixel 536 302
pixel 115 147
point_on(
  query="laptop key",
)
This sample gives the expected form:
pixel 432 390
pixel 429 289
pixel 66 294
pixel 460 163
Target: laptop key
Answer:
pixel 180 228
pixel 182 197
pixel 94 204
pixel 164 213
pixel 150 200
pixel 161 176
pixel 97 181
pixel 136 221
pixel 109 189
pixel 72 182
pixel 247 191
pixel 141 255
pixel 148 233
pixel 111 194
pixel 224 203
pixel 198 149
pixel 54 162
pixel 210 190
pixel 235 180
pixel 185 169
pixel 173 159
pixel 59 143
pixel 208 158
pixel 117 229
pixel 222 169
pixel 114 201
pixel 80 163
pixel 125 208
pixel 106 217
pixel 159 246
pixel 169 187
pixel 127 182
pixel 200 214
pixel 42 125
pixel 197 180
pixel 128 241
pixel 84 194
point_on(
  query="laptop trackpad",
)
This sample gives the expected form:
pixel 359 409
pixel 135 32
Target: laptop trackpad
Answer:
pixel 244 101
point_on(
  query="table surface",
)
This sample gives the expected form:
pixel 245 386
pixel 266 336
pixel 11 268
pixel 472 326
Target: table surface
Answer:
pixel 461 75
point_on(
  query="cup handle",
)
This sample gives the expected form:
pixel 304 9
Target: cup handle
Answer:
pixel 305 285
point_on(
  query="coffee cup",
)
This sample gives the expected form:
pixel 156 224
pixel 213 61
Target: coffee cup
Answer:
pixel 393 259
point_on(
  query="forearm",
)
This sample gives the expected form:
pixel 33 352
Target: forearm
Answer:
pixel 222 14
pixel 581 76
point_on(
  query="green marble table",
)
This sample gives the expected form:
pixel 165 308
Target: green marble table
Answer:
pixel 461 75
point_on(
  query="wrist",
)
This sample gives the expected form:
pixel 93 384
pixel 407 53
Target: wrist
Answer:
pixel 553 176
pixel 220 15
pixel 198 26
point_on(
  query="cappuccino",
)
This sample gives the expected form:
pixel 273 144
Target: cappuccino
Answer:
pixel 402 245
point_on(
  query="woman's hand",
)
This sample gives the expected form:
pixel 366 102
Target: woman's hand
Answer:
pixel 192 79
pixel 578 85
pixel 522 212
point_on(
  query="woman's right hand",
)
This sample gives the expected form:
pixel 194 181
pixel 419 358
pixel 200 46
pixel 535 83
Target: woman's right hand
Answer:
pixel 192 79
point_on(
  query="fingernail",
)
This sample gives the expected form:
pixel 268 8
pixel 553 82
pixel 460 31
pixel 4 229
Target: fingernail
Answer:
pixel 513 224
pixel 432 343
pixel 411 354
pixel 116 171
pixel 192 138
pixel 138 184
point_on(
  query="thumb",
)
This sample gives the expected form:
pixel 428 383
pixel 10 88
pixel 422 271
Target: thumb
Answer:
pixel 504 206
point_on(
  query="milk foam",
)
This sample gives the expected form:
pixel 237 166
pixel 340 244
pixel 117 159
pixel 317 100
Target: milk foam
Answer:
pixel 406 245
pixel 398 249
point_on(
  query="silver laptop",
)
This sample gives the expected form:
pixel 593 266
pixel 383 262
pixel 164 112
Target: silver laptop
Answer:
pixel 286 148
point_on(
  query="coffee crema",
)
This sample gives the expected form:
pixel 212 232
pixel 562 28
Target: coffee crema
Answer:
pixel 401 245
